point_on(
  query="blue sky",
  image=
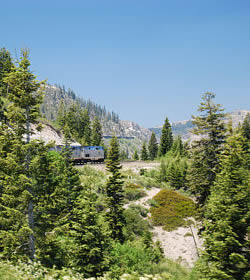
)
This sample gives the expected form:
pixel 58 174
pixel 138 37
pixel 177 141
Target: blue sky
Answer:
pixel 143 59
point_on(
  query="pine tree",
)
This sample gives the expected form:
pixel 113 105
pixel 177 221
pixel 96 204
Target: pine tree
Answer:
pixel 227 216
pixel 205 152
pixel 96 132
pixel 166 140
pixel 85 128
pixel 115 193
pixel 24 96
pixel 135 155
pixel 91 240
pixel 174 176
pixel 177 148
pixel 6 65
pixel 56 185
pixel 61 114
pixel 14 228
pixel 72 119
pixel 123 155
pixel 152 146
pixel 246 126
pixel 144 152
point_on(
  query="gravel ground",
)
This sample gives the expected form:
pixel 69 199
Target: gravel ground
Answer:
pixel 135 166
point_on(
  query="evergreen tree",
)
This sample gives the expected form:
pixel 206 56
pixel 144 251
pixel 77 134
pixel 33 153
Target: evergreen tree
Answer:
pixel 166 140
pixel 177 148
pixel 227 216
pixel 72 121
pixel 14 228
pixel 115 192
pixel 152 146
pixel 85 128
pixel 174 176
pixel 246 126
pixel 6 65
pixel 144 152
pixel 91 240
pixel 96 132
pixel 24 98
pixel 61 114
pixel 123 155
pixel 135 155
pixel 205 152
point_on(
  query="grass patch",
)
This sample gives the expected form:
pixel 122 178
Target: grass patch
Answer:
pixel 171 209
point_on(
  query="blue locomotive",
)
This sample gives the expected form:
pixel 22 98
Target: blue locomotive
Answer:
pixel 85 154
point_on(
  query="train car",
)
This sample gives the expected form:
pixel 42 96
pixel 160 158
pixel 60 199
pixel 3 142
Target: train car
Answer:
pixel 84 154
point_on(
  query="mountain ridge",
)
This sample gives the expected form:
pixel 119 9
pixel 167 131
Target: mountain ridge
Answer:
pixel 131 133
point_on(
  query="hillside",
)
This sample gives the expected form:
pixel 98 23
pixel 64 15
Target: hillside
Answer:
pixel 130 134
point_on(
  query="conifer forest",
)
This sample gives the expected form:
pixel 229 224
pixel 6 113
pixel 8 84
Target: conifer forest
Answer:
pixel 59 220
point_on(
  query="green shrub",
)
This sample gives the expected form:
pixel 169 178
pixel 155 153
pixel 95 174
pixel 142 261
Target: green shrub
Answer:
pixel 133 191
pixel 132 257
pixel 152 202
pixel 94 178
pixel 171 209
pixel 35 271
pixel 142 210
pixel 135 224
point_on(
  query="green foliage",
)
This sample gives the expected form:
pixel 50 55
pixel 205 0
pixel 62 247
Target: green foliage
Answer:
pixel 96 136
pixel 167 270
pixel 172 170
pixel 166 140
pixel 78 122
pixel 24 98
pixel 43 198
pixel 85 129
pixel 171 209
pixel 152 147
pixel 93 178
pixel 227 215
pixel 124 155
pixel 133 191
pixel 205 152
pixel 246 127
pixel 79 125
pixel 178 149
pixel 115 192
pixel 135 155
pixel 54 95
pixel 133 256
pixel 6 65
pixel 144 152
pixel 135 224
pixel 91 240
pixel 139 208
pixel 35 271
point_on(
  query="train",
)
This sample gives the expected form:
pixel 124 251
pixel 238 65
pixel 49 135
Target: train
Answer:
pixel 84 154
